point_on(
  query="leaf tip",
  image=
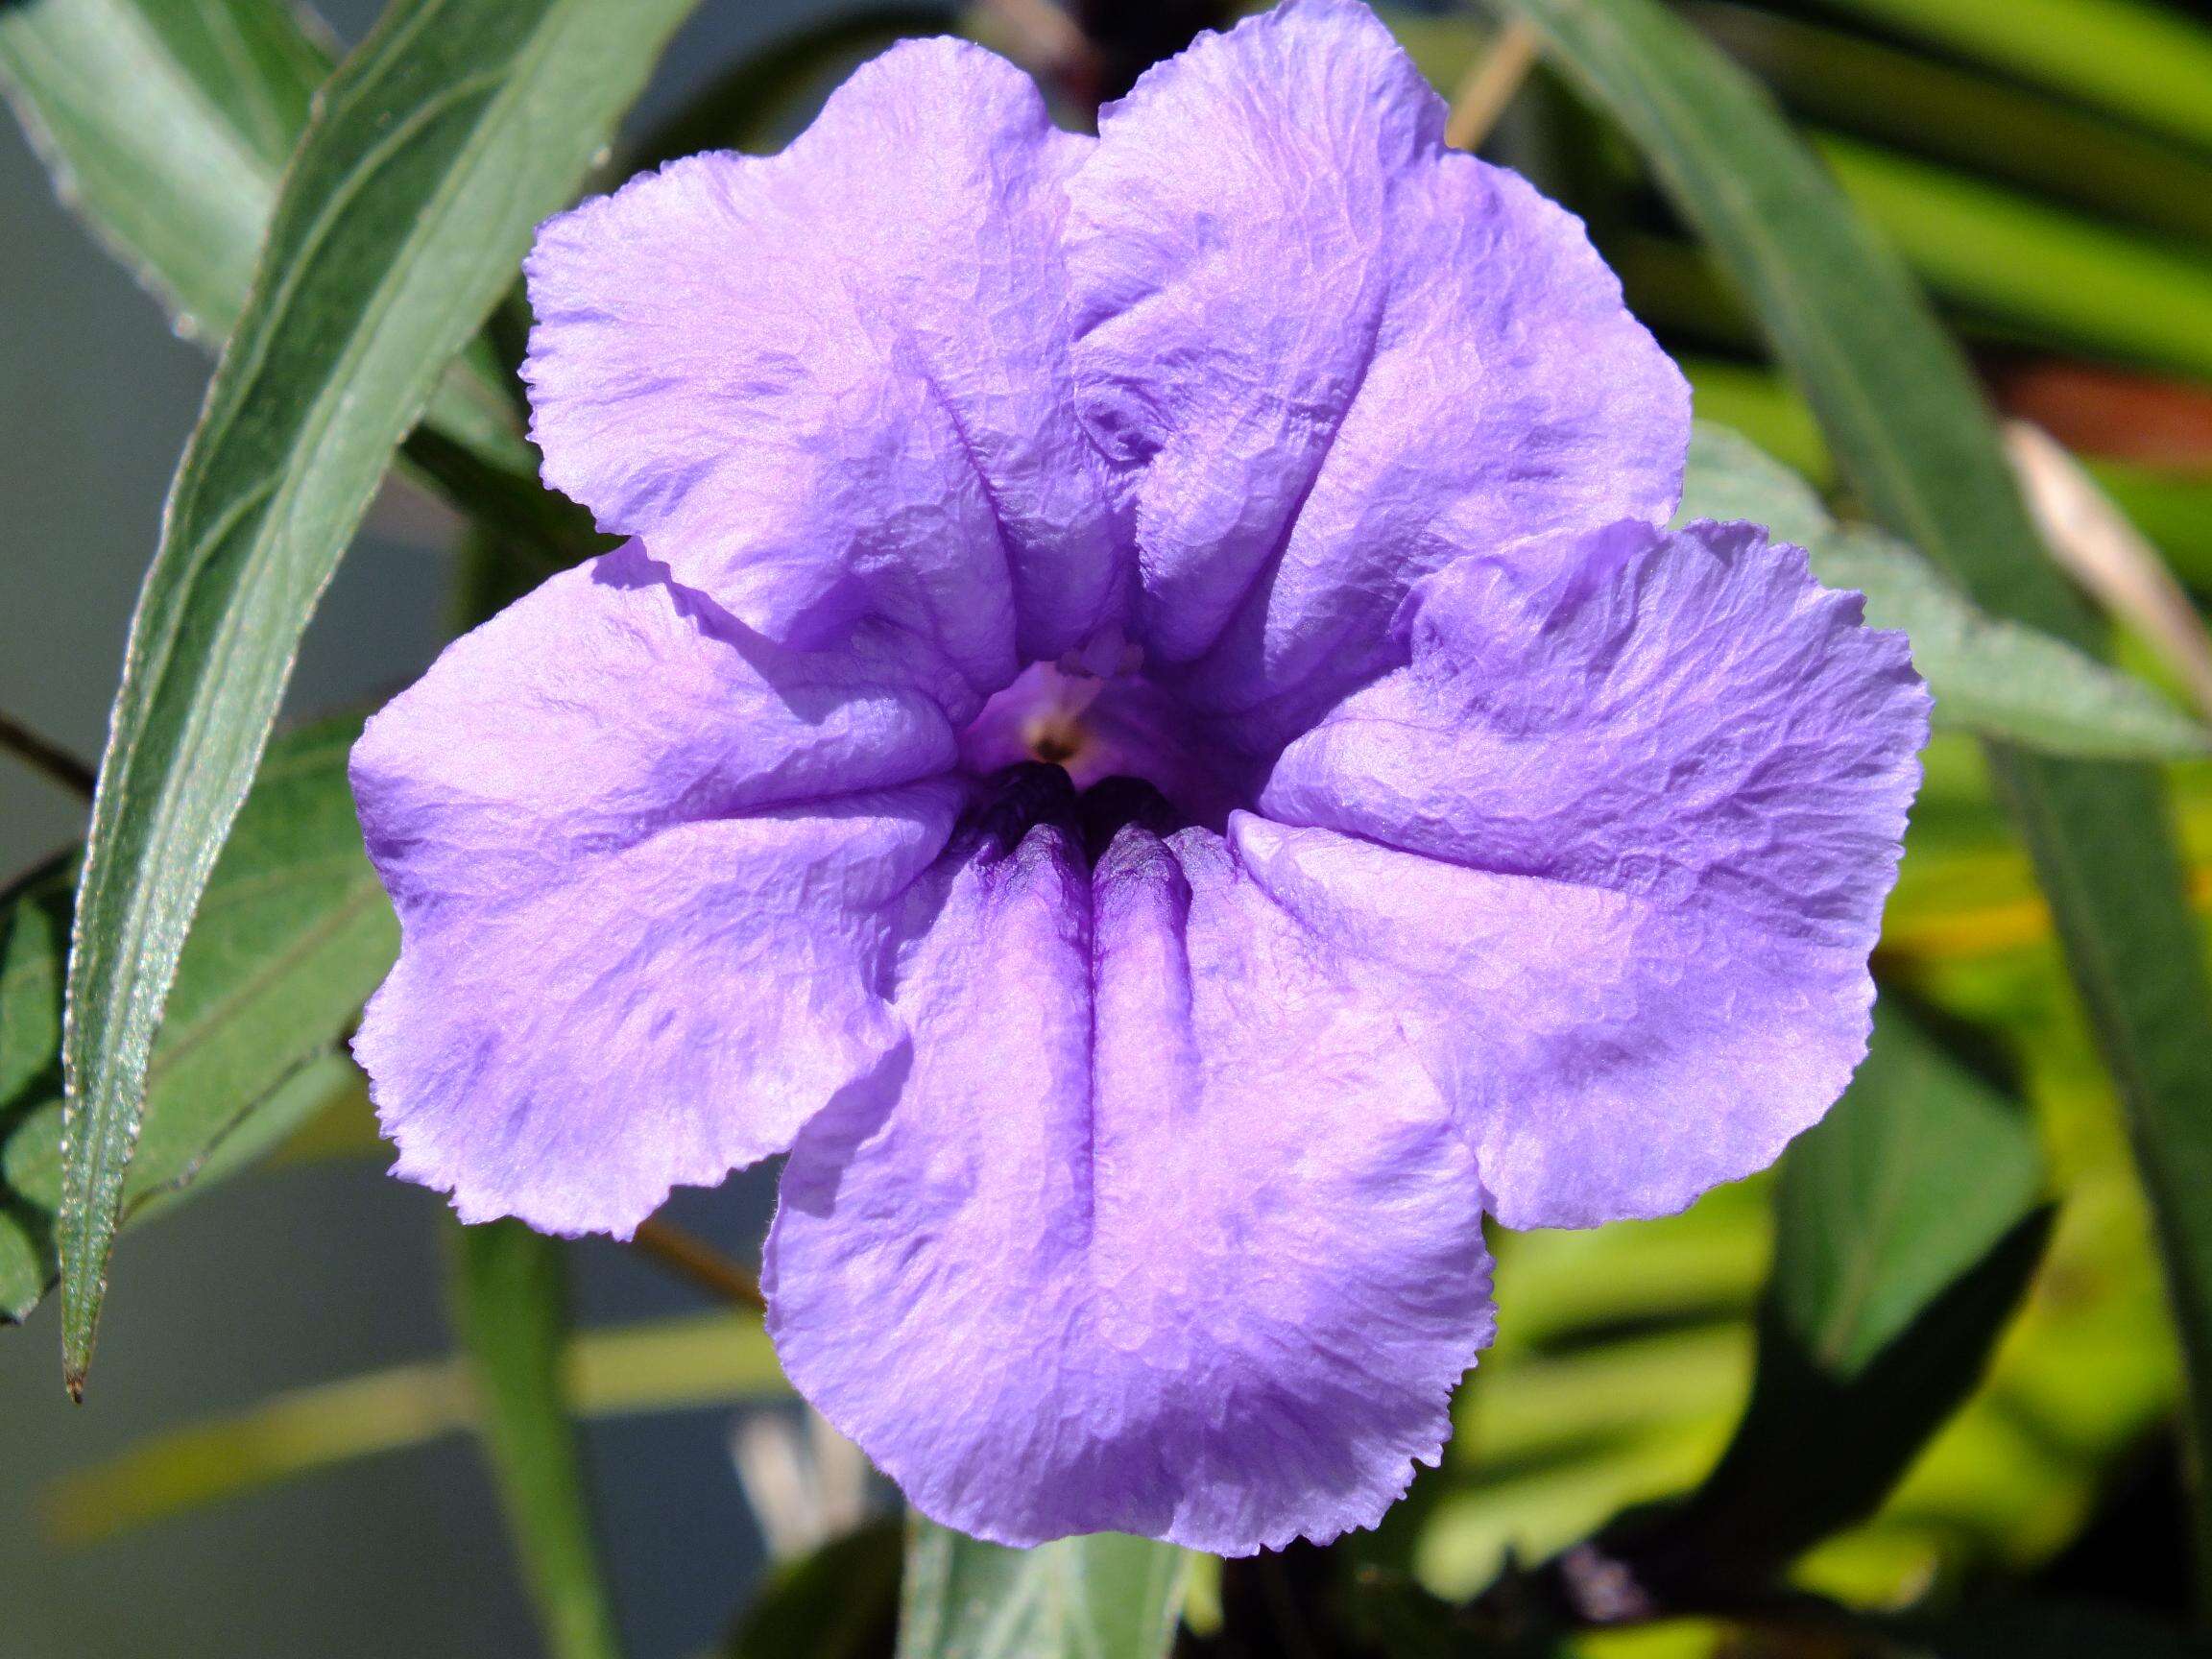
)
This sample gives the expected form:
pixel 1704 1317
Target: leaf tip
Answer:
pixel 79 1328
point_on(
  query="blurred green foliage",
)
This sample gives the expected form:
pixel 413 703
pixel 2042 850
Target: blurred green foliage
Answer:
pixel 1912 1372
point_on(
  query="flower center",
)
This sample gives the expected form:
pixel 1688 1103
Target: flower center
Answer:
pixel 1054 739
pixel 1094 714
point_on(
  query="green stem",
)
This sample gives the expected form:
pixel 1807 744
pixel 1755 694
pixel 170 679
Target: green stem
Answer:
pixel 510 1312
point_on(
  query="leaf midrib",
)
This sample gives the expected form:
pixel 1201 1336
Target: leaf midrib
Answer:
pixel 145 903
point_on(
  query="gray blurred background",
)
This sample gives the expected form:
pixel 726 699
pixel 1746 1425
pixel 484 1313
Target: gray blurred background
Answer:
pixel 315 1271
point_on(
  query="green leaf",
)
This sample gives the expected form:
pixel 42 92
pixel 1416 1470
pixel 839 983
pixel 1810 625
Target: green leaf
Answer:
pixel 840 1601
pixel 166 128
pixel 1912 433
pixel 1730 477
pixel 294 934
pixel 1100 1597
pixel 2174 508
pixel 2004 679
pixel 432 153
pixel 1617 1378
pixel 2003 253
pixel 1932 107
pixel 699 1360
pixel 2145 61
pixel 1920 1171
pixel 1987 125
pixel 510 1296
pixel 1994 678
pixel 1906 1233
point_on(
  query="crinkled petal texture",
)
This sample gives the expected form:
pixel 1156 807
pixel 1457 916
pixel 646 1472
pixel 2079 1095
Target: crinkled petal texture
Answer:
pixel 1337 355
pixel 1616 842
pixel 1522 857
pixel 834 382
pixel 645 864
pixel 1168 1231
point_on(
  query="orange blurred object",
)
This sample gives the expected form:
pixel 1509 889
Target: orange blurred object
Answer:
pixel 2113 414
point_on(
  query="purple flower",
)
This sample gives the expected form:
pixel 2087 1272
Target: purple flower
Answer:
pixel 1145 735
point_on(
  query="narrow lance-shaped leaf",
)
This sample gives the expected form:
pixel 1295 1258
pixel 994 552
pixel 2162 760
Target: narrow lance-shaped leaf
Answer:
pixel 1908 428
pixel 510 1294
pixel 1998 679
pixel 2139 58
pixel 2012 265
pixel 2004 679
pixel 445 138
pixel 2173 510
pixel 1932 107
pixel 166 128
pixel 1101 1596
pixel 293 933
pixel 2010 256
